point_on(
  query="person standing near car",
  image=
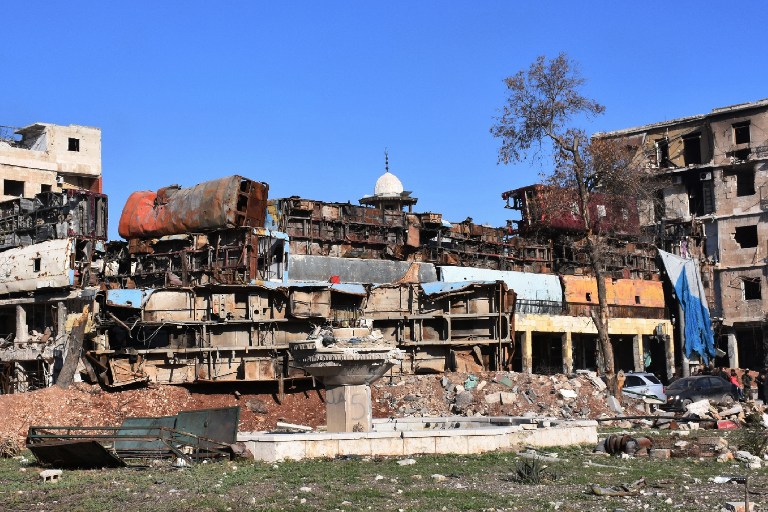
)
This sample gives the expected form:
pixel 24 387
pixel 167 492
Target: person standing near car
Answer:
pixel 765 385
pixel 747 380
pixel 760 383
pixel 735 381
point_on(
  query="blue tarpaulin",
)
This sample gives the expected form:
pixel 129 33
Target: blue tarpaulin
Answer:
pixel 686 279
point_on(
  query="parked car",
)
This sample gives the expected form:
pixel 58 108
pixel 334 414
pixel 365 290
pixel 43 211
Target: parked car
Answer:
pixel 643 385
pixel 691 389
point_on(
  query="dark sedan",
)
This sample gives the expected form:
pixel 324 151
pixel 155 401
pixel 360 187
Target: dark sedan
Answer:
pixel 691 389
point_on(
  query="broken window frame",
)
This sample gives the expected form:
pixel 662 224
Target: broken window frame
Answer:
pixel 662 153
pixel 751 288
pixel 692 149
pixel 73 144
pixel 741 132
pixel 11 188
pixel 746 237
pixel 745 183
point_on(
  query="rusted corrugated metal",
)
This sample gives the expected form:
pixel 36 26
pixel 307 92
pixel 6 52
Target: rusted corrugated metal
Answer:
pixel 620 292
pixel 218 204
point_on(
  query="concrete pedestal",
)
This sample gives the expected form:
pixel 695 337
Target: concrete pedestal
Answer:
pixel 348 408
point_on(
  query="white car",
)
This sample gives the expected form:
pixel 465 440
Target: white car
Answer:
pixel 643 385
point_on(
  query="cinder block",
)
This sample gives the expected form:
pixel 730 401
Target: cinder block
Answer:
pixel 660 453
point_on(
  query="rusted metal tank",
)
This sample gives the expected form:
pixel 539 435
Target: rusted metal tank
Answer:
pixel 223 203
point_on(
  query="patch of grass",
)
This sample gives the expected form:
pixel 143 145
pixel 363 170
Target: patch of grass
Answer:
pixel 471 483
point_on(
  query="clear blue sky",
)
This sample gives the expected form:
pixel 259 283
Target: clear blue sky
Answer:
pixel 306 95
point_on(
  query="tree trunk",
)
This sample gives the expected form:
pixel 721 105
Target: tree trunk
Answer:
pixel 601 318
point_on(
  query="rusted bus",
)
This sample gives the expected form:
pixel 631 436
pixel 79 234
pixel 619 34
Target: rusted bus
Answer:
pixel 231 256
pixel 53 216
pixel 556 209
pixel 54 264
pixel 228 202
pixel 619 260
pixel 242 332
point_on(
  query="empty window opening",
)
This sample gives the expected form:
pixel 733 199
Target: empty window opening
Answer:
pixel 745 183
pixel 36 265
pixel 589 297
pixel 637 299
pixel 74 144
pixel 662 153
pixel 692 149
pixel 45 188
pixel 741 133
pixel 746 236
pixel 752 288
pixel 13 188
pixel 741 155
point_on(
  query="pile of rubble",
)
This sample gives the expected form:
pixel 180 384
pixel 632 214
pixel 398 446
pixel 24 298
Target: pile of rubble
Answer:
pixel 492 394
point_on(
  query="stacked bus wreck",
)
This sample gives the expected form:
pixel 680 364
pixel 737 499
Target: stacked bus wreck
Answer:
pixel 209 294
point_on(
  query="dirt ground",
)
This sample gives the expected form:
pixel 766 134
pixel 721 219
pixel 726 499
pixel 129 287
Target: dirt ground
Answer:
pixel 261 407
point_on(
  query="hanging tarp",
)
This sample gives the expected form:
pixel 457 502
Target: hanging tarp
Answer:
pixel 686 279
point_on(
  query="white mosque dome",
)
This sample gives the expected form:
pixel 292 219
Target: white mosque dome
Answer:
pixel 388 185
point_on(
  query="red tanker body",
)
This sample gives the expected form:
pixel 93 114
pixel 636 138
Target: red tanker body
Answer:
pixel 228 202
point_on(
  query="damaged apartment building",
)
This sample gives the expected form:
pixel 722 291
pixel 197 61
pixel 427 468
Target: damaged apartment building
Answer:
pixel 53 225
pixel 714 171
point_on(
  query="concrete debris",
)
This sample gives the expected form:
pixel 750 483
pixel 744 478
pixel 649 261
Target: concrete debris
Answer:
pixel 257 406
pixel 596 381
pixel 463 401
pixel 51 475
pixel 614 405
pixel 701 408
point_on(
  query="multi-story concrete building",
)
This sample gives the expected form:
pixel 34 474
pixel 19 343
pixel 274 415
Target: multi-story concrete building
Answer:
pixel 45 157
pixel 714 172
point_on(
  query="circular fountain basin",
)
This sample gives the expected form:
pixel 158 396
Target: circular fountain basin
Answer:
pixel 344 364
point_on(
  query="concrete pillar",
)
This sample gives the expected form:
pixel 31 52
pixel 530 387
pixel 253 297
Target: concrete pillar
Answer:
pixel 348 408
pixel 22 332
pixel 567 352
pixel 637 352
pixel 669 349
pixel 733 350
pixel 61 318
pixel 526 351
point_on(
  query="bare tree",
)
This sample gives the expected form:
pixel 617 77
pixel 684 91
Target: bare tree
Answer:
pixel 542 107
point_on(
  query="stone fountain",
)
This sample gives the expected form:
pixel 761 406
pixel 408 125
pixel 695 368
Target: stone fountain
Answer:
pixel 346 361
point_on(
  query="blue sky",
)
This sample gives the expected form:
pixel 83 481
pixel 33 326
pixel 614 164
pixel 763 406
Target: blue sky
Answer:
pixel 306 95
